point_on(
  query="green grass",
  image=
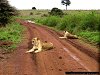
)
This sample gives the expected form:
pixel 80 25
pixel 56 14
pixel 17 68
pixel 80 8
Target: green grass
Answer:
pixel 85 24
pixel 92 37
pixel 12 32
pixel 51 21
pixel 25 14
pixel 76 24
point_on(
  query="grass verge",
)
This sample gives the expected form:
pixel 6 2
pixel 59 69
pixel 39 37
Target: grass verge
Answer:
pixel 92 37
pixel 84 25
pixel 11 33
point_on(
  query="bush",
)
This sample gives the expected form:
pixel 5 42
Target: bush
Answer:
pixel 62 24
pixel 77 23
pixel 74 23
pixel 6 12
pixel 11 33
pixel 34 8
pixel 51 21
pixel 56 12
pixel 70 23
pixel 90 22
pixel 44 15
pixel 31 13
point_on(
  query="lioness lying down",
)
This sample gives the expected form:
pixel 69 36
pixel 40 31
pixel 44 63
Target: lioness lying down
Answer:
pixel 29 21
pixel 68 35
pixel 38 45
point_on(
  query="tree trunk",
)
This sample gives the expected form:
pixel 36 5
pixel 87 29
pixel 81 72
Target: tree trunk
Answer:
pixel 66 7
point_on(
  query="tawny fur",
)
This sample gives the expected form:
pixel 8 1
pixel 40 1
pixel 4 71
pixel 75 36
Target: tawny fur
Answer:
pixel 29 21
pixel 68 35
pixel 39 46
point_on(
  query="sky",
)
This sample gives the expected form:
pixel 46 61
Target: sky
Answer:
pixel 49 4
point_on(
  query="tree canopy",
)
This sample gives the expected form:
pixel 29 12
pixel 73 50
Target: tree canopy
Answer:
pixel 6 12
pixel 34 8
pixel 56 12
pixel 66 3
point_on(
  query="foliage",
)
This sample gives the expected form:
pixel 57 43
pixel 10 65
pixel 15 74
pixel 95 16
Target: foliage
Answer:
pixel 12 32
pixel 51 21
pixel 84 23
pixel 34 8
pixel 90 22
pixel 66 3
pixel 90 36
pixel 6 12
pixel 76 23
pixel 56 12
pixel 31 13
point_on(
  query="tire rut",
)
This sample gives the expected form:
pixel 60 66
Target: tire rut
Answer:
pixel 52 62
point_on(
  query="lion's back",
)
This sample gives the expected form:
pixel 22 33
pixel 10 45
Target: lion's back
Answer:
pixel 47 46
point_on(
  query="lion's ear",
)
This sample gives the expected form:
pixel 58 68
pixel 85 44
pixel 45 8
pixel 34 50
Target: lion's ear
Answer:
pixel 65 31
pixel 37 38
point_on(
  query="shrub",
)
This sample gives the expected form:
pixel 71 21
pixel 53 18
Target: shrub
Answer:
pixel 51 21
pixel 11 33
pixel 62 24
pixel 6 12
pixel 44 15
pixel 34 8
pixel 31 13
pixel 91 22
pixel 56 12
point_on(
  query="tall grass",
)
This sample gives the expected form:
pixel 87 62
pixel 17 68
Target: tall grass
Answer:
pixel 89 23
pixel 92 37
pixel 51 21
pixel 12 32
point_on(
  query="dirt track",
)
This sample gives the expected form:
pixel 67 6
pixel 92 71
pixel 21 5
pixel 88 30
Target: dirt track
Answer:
pixel 63 58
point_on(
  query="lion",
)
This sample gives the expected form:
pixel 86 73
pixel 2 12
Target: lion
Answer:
pixel 68 35
pixel 39 46
pixel 29 21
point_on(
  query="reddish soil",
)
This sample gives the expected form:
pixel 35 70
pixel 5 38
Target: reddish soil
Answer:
pixel 67 56
pixel 5 43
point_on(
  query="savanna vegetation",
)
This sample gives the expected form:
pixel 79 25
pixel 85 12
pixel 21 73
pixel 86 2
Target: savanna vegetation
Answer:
pixel 11 33
pixel 6 12
pixel 10 30
pixel 83 23
pixel 66 3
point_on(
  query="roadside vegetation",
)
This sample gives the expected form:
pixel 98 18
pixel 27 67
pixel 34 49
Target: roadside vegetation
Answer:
pixel 6 12
pixel 11 35
pixel 83 23
pixel 10 31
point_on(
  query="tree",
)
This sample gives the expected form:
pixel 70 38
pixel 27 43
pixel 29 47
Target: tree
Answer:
pixel 66 3
pixel 34 8
pixel 56 12
pixel 6 12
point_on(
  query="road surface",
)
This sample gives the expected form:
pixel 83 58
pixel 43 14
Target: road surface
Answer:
pixel 65 57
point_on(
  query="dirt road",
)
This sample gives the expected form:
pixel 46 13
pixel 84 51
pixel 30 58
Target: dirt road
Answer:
pixel 63 58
